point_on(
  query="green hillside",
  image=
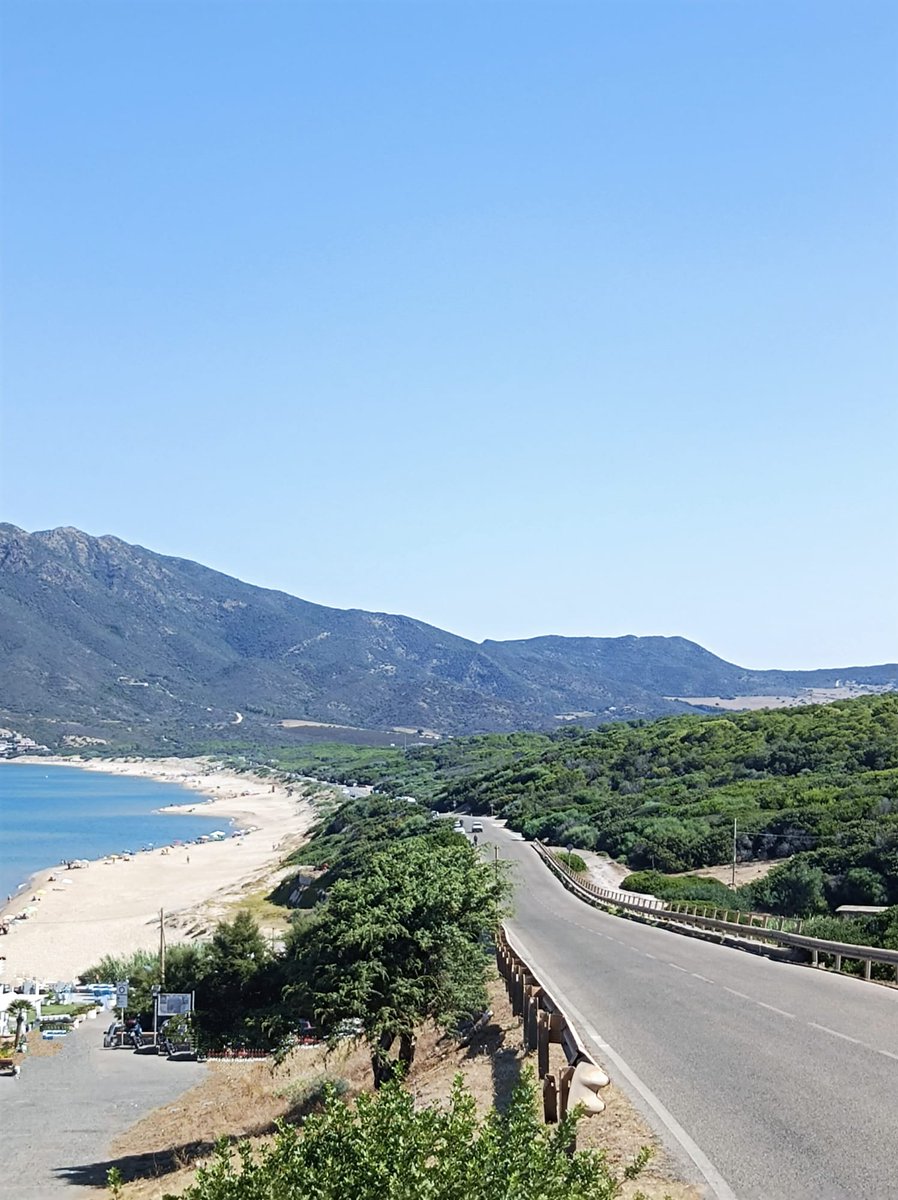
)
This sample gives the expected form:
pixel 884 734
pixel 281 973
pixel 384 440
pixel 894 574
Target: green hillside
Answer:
pixel 819 781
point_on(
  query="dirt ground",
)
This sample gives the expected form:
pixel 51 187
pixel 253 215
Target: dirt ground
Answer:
pixel 745 872
pixel 245 1099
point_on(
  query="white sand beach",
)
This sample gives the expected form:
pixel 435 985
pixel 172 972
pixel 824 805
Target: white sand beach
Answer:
pixel 112 906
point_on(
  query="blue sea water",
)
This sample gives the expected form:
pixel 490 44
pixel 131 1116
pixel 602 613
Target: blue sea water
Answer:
pixel 48 814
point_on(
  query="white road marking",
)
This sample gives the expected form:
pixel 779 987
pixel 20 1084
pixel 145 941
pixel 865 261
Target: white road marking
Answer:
pixel 703 978
pixel 719 1186
pixel 733 992
pixel 844 1036
pixel 782 1012
pixel 677 967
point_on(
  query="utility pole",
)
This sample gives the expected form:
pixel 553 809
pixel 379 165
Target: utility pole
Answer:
pixel 162 946
pixel 496 869
pixel 733 885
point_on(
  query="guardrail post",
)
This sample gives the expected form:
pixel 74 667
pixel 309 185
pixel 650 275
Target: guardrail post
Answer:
pixel 815 958
pixel 550 1100
pixel 531 1016
pixel 868 968
pixel 564 1090
pixel 542 1044
pixel 837 964
pixel 517 997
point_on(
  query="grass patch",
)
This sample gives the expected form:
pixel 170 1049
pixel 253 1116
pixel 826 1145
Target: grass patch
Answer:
pixel 266 913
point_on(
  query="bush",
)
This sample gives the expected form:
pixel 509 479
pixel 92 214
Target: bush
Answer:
pixel 793 890
pixel 306 1094
pixel 385 1147
pixel 683 887
pixel 572 861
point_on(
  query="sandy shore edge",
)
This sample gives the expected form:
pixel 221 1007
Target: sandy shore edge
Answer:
pixel 112 906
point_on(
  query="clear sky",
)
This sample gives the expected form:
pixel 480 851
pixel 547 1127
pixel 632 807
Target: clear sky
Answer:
pixel 519 318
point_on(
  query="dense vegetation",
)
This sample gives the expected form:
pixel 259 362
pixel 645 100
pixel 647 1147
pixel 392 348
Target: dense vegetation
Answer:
pixel 400 936
pixel 386 1147
pixel 422 771
pixel 818 783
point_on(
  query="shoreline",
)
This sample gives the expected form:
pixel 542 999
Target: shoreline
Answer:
pixel 112 906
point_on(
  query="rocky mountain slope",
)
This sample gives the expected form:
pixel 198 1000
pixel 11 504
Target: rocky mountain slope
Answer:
pixel 101 637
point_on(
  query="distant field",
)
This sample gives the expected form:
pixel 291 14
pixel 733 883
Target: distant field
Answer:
pixel 792 700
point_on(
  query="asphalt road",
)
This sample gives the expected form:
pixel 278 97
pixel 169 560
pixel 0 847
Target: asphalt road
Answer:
pixel 785 1079
pixel 59 1117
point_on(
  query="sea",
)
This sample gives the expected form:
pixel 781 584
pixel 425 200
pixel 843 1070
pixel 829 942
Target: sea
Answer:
pixel 50 814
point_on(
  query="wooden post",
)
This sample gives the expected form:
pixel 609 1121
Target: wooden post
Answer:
pixel 550 1100
pixel 517 996
pixel 162 947
pixel 564 1090
pixel 531 1022
pixel 542 1044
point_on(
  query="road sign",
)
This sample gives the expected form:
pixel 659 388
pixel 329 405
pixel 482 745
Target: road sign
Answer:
pixel 121 994
pixel 175 1004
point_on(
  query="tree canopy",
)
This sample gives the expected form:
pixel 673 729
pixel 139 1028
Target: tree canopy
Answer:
pixel 401 943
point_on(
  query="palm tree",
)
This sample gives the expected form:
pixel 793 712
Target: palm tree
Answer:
pixel 21 1010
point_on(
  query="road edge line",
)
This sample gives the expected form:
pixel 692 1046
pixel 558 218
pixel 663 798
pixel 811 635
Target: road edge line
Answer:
pixel 719 1186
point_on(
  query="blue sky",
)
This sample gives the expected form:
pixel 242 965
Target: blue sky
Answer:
pixel 518 318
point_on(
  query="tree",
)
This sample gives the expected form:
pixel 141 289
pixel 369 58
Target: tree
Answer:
pixel 795 889
pixel 234 976
pixel 398 945
pixel 20 1009
pixel 386 1147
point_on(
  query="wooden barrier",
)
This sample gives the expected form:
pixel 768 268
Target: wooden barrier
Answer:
pixel 545 1024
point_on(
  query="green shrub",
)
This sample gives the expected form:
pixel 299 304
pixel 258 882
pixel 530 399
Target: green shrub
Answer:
pixel 386 1147
pixel 684 887
pixel 572 861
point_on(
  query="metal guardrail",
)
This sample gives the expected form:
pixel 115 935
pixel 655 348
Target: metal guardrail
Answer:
pixel 545 1023
pixel 674 915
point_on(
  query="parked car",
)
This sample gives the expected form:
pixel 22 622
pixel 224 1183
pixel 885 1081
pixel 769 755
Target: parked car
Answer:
pixel 476 827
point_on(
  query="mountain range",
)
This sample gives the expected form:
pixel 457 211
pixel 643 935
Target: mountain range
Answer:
pixel 102 638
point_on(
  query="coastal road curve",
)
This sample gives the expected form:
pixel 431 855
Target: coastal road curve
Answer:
pixel 782 1081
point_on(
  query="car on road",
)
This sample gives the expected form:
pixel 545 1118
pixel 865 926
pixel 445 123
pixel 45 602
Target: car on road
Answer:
pixel 476 827
pixel 459 826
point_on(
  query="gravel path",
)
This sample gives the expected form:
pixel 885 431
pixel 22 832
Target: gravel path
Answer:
pixel 59 1117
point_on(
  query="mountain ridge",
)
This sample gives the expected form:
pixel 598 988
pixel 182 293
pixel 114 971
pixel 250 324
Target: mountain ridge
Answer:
pixel 97 633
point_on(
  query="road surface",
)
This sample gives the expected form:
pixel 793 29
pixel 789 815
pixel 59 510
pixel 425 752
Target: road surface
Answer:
pixel 780 1080
pixel 59 1117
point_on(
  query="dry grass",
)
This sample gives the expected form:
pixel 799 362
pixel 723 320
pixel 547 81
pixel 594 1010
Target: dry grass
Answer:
pixel 745 872
pixel 245 1099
